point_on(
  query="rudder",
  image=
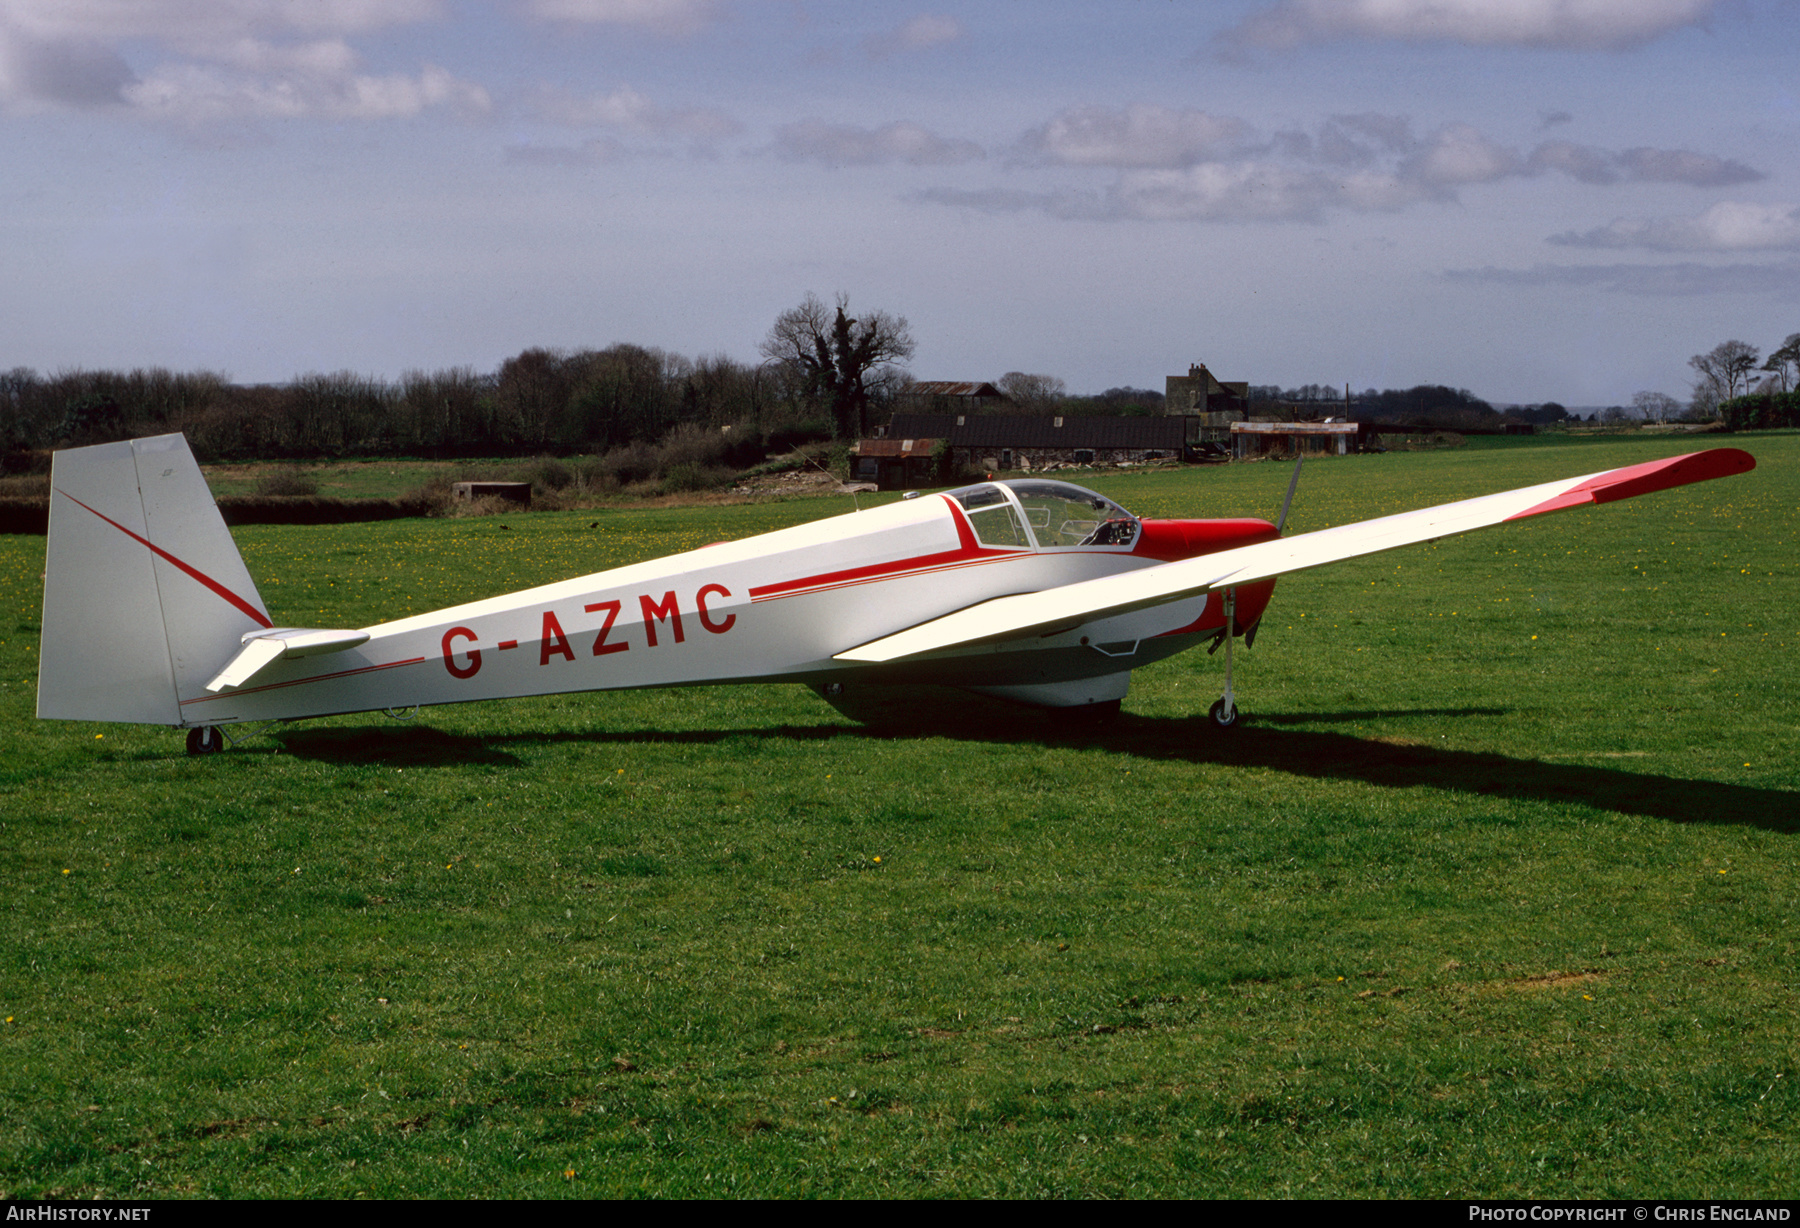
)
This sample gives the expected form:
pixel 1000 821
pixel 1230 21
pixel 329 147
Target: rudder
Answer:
pixel 145 594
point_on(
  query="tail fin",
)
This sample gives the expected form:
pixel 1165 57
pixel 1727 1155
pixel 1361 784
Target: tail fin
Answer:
pixel 145 594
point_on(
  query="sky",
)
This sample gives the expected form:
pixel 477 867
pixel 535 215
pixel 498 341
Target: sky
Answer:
pixel 1532 199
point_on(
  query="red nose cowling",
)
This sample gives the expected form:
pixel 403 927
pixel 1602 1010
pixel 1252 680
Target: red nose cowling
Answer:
pixel 1169 540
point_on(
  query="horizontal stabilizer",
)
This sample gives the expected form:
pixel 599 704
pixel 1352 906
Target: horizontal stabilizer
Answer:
pixel 264 648
pixel 1058 608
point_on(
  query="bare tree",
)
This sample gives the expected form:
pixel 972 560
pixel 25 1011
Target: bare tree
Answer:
pixel 840 357
pixel 1785 356
pixel 1725 366
pixel 1032 394
pixel 1656 406
pixel 1705 404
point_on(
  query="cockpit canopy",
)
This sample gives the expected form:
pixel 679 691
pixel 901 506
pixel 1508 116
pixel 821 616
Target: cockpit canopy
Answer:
pixel 1025 513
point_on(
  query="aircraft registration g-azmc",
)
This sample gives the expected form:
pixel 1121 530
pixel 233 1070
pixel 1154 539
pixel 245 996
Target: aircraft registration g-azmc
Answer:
pixel 1032 590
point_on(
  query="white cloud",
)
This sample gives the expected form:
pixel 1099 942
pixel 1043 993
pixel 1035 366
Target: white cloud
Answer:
pixel 1730 226
pixel 1138 136
pixel 1345 140
pixel 1582 162
pixel 230 58
pixel 1685 166
pixel 1644 164
pixel 59 70
pixel 1584 25
pixel 319 58
pixel 918 34
pixel 1060 204
pixel 630 111
pixel 1192 166
pixel 1686 279
pixel 312 80
pixel 190 22
pixel 1459 154
pixel 847 145
pixel 677 18
pixel 1220 192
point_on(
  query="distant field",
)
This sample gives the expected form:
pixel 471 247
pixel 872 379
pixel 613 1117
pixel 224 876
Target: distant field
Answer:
pixel 353 479
pixel 1495 895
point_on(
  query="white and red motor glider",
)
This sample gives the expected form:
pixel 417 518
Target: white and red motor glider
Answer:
pixel 1032 590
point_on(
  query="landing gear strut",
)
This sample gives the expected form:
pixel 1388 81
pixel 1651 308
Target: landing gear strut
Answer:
pixel 206 740
pixel 1224 713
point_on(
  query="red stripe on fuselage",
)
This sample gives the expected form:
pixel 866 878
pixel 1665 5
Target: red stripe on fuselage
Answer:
pixel 877 572
pixel 262 619
pixel 276 686
pixel 969 553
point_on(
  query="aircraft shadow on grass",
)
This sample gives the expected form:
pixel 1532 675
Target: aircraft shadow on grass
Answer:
pixel 1191 739
pixel 418 746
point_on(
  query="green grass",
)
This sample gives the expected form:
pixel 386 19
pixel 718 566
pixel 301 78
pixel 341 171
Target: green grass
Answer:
pixel 373 478
pixel 1460 912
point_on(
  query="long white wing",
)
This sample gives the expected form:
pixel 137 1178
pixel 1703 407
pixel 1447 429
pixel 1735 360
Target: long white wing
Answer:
pixel 1029 613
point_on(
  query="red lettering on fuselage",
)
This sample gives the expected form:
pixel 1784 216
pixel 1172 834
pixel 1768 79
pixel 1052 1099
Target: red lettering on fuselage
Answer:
pixel 668 611
pixel 553 642
pixel 601 647
pixel 460 671
pixel 724 624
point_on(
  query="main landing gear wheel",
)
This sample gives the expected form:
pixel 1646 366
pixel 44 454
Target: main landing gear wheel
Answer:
pixel 206 740
pixel 1224 712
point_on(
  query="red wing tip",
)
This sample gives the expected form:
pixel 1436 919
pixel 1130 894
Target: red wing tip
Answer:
pixel 1634 480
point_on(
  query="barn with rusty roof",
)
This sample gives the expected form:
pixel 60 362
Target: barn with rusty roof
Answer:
pixel 949 396
pixel 1026 441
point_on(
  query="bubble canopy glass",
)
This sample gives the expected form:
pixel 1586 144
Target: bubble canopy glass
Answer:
pixel 1049 515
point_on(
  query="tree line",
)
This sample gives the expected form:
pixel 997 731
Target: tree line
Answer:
pixel 826 374
pixel 538 401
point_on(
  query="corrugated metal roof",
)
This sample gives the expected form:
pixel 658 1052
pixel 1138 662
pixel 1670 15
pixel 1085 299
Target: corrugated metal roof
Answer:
pixel 1030 431
pixel 1294 428
pixel 950 388
pixel 893 447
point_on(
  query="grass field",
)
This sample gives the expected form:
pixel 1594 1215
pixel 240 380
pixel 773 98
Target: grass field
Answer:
pixel 1494 896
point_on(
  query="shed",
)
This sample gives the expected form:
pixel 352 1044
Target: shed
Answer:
pixel 1027 441
pixel 1260 438
pixel 895 464
pixel 512 492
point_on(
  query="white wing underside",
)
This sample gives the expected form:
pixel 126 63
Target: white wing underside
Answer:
pixel 1061 608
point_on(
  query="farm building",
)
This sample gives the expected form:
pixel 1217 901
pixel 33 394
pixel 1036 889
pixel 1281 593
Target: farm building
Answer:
pixel 895 464
pixel 1201 392
pixel 1022 441
pixel 939 396
pixel 1261 438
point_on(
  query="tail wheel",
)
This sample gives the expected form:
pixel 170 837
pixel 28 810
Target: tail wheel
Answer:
pixel 206 740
